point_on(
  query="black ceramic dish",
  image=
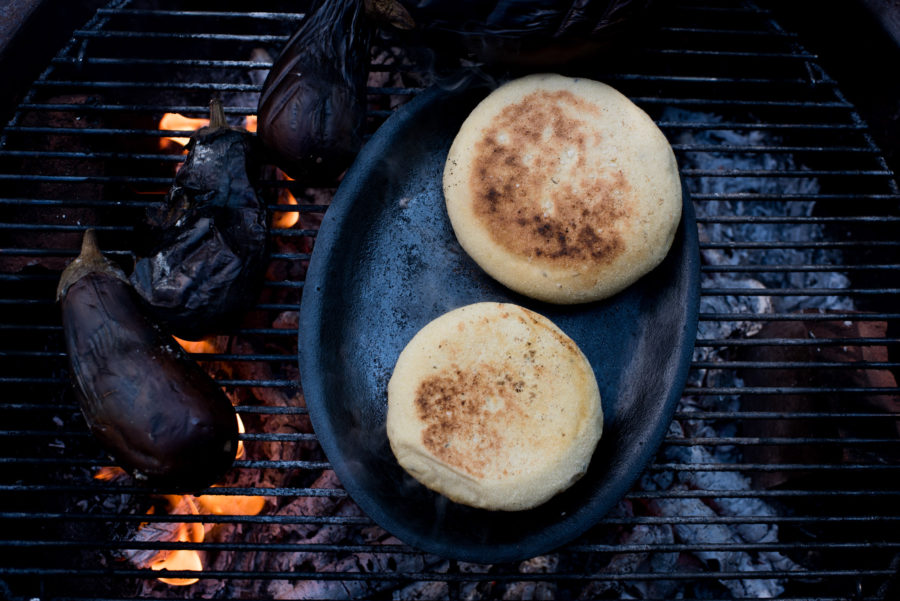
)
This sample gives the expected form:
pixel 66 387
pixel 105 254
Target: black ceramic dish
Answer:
pixel 386 262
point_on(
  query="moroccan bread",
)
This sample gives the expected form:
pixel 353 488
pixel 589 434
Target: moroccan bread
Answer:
pixel 493 406
pixel 562 189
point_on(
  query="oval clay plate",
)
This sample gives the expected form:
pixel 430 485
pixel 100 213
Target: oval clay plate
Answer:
pixel 386 262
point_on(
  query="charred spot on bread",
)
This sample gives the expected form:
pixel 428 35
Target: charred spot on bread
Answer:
pixel 562 189
pixel 533 189
pixel 462 411
pixel 493 405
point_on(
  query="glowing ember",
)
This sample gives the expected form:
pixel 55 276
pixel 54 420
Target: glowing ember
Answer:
pixel 285 219
pixel 109 472
pixel 176 122
pixel 250 123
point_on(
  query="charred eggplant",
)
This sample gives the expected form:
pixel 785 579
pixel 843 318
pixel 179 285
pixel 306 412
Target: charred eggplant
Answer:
pixel 206 262
pixel 150 406
pixel 312 107
pixel 530 33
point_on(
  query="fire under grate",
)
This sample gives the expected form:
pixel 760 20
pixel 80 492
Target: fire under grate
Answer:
pixel 778 477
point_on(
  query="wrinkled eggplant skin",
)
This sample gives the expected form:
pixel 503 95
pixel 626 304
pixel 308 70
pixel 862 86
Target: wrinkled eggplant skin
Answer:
pixel 312 108
pixel 159 415
pixel 207 260
pixel 526 33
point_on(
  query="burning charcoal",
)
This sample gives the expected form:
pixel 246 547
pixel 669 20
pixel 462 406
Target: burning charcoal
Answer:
pixel 710 329
pixel 798 428
pixel 359 563
pixel 332 562
pixel 423 591
pixel 165 532
pixel 532 589
pixel 287 320
pixel 719 480
pixel 480 589
pixel 750 231
pixel 629 563
pixel 725 561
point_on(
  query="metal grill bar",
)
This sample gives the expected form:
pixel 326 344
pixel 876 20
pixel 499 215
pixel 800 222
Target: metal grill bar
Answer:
pixel 766 317
pixel 455 585
pixel 730 126
pixel 243 16
pixel 83 34
pixel 438 576
pixel 298 492
pixel 314 547
pixel 362 521
pixel 736 67
pixel 804 415
pixel 640 100
pixel 729 32
pixel 805 56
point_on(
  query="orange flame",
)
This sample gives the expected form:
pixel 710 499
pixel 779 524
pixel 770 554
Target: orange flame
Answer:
pixel 285 219
pixel 232 504
pixel 109 472
pixel 240 448
pixel 180 559
pixel 189 559
pixel 250 123
pixel 176 122
pixel 207 345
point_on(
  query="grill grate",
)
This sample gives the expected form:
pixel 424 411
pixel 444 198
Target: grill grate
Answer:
pixel 778 477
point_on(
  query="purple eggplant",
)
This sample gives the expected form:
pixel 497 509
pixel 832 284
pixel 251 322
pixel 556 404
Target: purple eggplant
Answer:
pixel 156 411
pixel 312 108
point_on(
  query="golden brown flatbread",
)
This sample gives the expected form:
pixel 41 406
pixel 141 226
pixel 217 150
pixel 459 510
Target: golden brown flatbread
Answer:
pixel 493 406
pixel 562 189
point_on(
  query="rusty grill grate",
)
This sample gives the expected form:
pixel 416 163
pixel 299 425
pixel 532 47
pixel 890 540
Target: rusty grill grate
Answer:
pixel 778 477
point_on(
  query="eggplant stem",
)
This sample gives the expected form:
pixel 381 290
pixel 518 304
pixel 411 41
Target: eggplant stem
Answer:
pixel 89 248
pixel 216 114
pixel 91 260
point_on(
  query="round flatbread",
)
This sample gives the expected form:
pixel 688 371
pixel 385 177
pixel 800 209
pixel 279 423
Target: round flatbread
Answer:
pixel 562 189
pixel 493 406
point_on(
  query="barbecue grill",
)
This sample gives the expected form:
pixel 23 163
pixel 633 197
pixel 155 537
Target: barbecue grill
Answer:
pixel 778 477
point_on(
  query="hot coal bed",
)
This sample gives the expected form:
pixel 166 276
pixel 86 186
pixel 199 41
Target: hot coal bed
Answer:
pixel 778 477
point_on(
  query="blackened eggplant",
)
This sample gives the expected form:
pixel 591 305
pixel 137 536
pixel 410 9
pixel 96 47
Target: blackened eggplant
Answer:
pixel 150 406
pixel 312 108
pixel 207 257
pixel 530 33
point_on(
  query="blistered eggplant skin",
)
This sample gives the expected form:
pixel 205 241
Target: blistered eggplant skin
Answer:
pixel 205 264
pixel 160 416
pixel 312 108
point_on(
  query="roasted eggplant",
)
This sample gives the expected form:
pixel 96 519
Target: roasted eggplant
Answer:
pixel 151 407
pixel 312 108
pixel 532 33
pixel 206 259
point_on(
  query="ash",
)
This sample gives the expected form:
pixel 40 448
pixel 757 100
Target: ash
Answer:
pixel 754 303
